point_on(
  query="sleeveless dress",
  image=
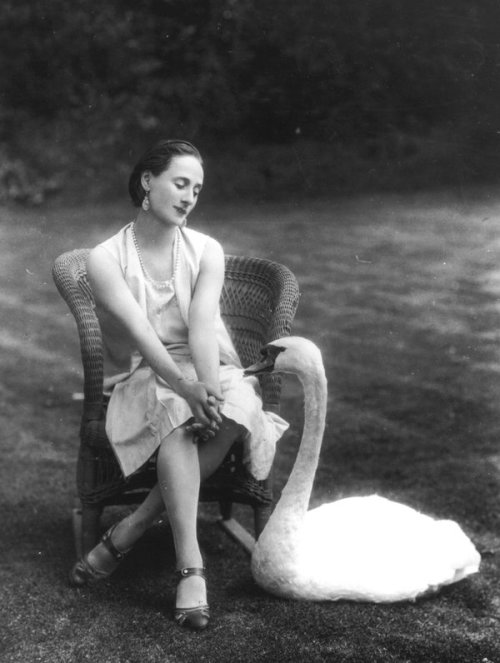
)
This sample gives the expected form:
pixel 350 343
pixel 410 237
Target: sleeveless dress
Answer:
pixel 143 409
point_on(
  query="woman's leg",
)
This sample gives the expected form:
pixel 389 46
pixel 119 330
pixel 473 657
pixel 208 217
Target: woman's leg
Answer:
pixel 181 465
pixel 126 532
pixel 178 468
pixel 213 451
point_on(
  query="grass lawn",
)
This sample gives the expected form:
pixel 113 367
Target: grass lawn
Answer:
pixel 402 294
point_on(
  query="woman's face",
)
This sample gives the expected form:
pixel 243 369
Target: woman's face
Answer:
pixel 174 193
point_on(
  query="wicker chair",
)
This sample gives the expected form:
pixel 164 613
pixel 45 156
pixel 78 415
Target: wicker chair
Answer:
pixel 258 304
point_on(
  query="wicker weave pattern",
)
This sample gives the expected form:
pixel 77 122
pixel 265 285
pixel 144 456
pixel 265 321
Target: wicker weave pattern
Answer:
pixel 70 276
pixel 258 304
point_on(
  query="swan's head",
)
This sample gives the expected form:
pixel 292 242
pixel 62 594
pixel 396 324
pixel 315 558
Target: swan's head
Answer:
pixel 291 354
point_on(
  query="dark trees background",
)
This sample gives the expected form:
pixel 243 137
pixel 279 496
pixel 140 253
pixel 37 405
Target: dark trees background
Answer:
pixel 382 85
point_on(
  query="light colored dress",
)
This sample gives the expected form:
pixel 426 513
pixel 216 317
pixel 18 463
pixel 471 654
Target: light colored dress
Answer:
pixel 143 409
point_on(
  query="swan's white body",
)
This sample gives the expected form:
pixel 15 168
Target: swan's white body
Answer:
pixel 358 548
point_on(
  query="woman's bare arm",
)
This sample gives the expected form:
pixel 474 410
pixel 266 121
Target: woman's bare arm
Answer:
pixel 115 299
pixel 202 315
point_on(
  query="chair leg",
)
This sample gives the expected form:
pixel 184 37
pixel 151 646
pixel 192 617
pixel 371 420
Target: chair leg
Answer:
pixel 76 522
pixel 261 514
pixel 91 515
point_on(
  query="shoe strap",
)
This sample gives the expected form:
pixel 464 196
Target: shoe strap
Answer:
pixel 191 571
pixel 110 547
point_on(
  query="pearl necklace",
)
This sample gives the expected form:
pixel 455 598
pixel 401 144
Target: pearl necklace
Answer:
pixel 171 280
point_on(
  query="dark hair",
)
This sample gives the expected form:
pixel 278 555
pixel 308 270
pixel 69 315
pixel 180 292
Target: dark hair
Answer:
pixel 156 160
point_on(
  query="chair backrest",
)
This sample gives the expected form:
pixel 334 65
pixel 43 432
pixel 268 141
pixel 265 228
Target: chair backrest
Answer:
pixel 258 304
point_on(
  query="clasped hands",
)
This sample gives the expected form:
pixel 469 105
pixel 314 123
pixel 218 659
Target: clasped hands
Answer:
pixel 205 403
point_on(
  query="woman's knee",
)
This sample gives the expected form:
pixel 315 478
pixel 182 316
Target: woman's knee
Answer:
pixel 177 450
pixel 178 438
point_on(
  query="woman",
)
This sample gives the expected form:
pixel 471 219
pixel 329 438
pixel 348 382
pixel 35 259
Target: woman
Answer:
pixel 176 383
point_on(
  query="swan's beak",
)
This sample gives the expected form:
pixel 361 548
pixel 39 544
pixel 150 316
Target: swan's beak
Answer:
pixel 266 364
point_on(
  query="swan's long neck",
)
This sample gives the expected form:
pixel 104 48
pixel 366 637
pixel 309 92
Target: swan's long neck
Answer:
pixel 294 501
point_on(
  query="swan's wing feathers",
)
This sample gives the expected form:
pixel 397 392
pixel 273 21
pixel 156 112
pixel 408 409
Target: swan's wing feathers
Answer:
pixel 374 549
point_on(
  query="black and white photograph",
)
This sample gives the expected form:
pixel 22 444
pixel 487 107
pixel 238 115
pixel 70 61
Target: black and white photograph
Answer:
pixel 250 331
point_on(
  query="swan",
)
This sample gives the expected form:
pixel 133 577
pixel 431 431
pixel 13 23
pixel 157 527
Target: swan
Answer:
pixel 364 548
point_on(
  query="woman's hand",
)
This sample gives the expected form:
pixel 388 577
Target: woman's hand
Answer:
pixel 205 403
pixel 201 432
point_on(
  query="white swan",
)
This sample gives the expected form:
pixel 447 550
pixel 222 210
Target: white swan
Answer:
pixel 358 548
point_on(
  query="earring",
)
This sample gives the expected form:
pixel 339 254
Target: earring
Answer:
pixel 145 202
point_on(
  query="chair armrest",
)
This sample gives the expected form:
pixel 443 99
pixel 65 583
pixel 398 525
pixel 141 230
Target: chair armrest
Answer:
pixel 69 274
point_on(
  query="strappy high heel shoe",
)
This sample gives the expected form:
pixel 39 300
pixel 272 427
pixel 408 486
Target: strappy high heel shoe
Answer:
pixel 198 617
pixel 84 573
